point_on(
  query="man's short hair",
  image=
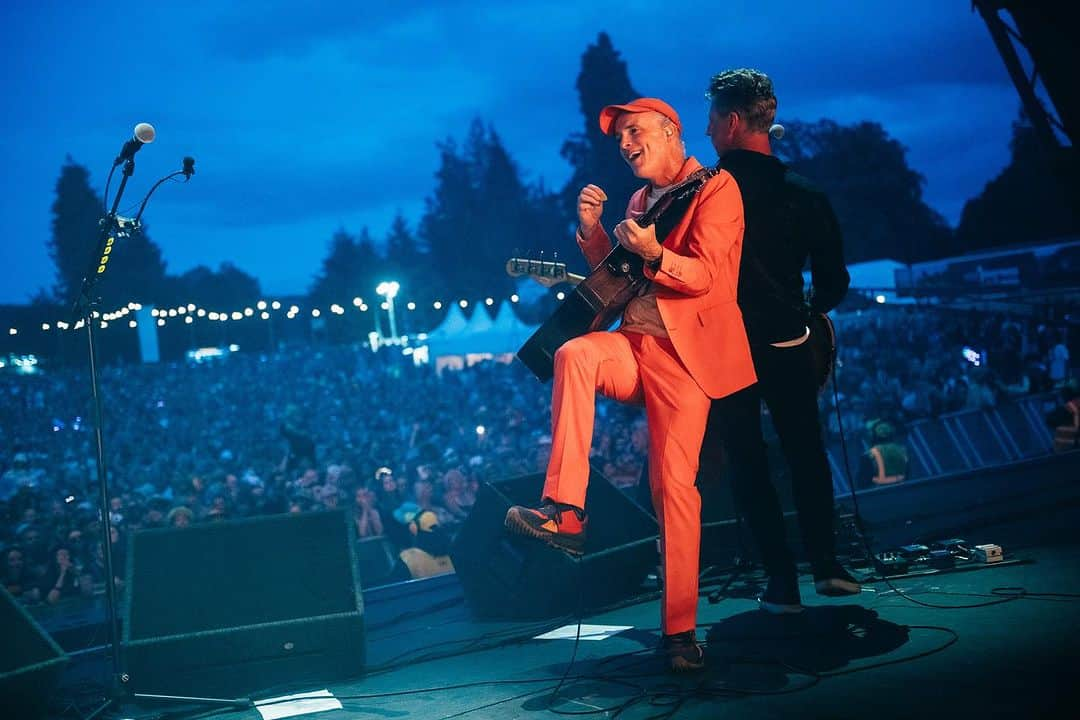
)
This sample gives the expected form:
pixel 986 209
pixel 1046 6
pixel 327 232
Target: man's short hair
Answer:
pixel 747 92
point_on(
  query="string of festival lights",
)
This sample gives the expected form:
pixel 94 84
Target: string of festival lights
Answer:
pixel 190 313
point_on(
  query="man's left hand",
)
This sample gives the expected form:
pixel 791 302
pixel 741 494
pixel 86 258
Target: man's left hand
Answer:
pixel 638 240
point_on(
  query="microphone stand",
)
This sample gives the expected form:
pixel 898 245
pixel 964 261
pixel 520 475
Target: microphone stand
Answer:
pixel 111 227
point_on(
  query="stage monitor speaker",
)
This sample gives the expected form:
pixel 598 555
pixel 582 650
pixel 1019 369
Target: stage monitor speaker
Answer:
pixel 30 662
pixel 230 608
pixel 508 576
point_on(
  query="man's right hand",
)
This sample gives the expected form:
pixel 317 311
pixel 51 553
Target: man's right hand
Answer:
pixel 590 207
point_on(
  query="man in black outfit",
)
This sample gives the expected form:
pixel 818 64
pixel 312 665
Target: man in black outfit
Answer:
pixel 787 221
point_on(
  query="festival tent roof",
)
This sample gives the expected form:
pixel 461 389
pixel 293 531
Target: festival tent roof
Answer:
pixel 452 324
pixel 479 334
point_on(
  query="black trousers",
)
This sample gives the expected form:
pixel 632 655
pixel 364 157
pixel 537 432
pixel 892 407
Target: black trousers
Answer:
pixel 787 385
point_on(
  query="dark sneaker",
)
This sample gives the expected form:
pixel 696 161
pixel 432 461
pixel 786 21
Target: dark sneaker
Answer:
pixel 781 596
pixel 834 581
pixel 683 652
pixel 561 526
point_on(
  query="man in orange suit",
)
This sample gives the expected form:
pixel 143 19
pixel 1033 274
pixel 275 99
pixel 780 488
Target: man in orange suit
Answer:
pixel 681 343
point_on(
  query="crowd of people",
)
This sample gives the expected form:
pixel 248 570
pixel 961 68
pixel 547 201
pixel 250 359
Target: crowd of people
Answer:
pixel 910 363
pixel 338 426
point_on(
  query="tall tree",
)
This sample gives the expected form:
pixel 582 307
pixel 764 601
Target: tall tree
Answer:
pixel 404 261
pixel 76 211
pixel 876 194
pixel 481 212
pixel 450 218
pixel 1024 203
pixel 136 270
pixel 603 80
pixel 348 269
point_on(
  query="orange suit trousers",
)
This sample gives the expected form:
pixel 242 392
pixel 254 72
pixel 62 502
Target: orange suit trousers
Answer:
pixel 633 368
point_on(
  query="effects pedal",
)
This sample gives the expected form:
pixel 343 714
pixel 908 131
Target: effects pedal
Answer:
pixel 890 563
pixel 988 553
pixel 913 551
pixel 953 545
pixel 941 559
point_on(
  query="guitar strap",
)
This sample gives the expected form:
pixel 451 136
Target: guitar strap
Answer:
pixel 669 210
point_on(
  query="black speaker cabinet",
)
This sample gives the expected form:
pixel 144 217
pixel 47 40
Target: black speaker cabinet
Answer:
pixel 230 608
pixel 507 576
pixel 30 662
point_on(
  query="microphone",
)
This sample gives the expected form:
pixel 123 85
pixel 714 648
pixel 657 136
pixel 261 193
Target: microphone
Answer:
pixel 143 135
pixel 189 167
pixel 777 131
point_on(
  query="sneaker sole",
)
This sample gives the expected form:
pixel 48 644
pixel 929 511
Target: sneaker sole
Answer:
pixel 519 526
pixel 835 587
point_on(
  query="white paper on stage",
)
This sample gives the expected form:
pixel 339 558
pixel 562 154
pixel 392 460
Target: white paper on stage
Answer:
pixel 299 704
pixel 588 632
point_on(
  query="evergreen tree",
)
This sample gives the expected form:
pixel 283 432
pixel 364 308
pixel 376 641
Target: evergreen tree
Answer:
pixel 136 271
pixel 481 213
pixel 76 212
pixel 404 261
pixel 348 270
pixel 1024 203
pixel 594 157
pixel 876 195
pixel 450 217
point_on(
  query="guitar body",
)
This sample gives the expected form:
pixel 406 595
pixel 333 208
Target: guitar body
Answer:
pixel 594 304
pixel 822 343
pixel 598 300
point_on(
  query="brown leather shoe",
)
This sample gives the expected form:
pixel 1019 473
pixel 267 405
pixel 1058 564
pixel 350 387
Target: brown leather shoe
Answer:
pixel 683 652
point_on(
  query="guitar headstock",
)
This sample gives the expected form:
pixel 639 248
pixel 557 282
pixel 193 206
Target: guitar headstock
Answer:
pixel 546 272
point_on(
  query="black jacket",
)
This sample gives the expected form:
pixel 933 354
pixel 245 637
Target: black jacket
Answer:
pixel 788 220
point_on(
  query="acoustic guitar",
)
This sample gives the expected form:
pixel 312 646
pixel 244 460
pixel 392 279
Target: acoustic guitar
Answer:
pixel 597 301
pixel 821 343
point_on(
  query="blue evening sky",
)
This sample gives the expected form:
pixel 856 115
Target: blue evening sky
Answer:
pixel 304 117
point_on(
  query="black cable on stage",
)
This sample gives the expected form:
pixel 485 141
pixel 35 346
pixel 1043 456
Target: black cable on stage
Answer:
pixel 669 693
pixel 577 639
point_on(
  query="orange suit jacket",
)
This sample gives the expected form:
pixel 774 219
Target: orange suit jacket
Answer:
pixel 697 281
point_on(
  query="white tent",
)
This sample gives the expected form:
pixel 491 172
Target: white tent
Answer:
pixel 457 342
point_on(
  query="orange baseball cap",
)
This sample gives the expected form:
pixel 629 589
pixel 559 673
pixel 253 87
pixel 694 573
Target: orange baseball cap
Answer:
pixel 608 114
